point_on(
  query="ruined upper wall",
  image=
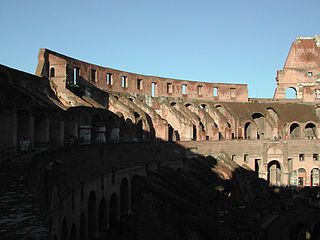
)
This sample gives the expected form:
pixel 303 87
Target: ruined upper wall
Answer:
pixel 64 70
pixel 301 70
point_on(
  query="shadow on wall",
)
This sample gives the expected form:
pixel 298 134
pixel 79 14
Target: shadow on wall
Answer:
pixel 157 190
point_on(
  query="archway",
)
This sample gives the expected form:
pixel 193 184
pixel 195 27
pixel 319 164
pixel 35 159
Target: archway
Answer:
pixel 315 173
pixel 291 93
pixel 302 177
pixel 98 129
pixel 73 234
pixel 82 228
pixel 64 230
pixel 23 125
pixel 113 210
pixel 295 131
pixel 274 173
pixel 310 131
pixel 124 198
pixel 136 184
pixel 103 216
pixel 249 131
pixel 92 215
pixel 259 120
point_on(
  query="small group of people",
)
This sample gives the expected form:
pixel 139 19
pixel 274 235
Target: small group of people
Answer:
pixel 24 144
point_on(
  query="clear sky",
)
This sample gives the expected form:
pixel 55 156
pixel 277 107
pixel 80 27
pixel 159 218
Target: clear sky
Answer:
pixel 229 41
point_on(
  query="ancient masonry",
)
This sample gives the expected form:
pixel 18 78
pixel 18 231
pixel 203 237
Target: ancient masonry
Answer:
pixel 71 102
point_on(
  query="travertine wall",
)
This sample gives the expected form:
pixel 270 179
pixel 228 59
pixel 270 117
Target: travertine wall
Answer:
pixel 301 70
pixel 90 74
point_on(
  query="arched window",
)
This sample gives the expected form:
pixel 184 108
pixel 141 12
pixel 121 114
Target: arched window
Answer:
pixel 310 131
pixel 291 93
pixel 295 131
pixel 52 72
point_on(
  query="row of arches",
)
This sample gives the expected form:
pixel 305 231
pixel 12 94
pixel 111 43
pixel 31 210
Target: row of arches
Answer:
pixel 101 217
pixel 297 177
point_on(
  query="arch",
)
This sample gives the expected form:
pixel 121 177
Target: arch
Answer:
pixel 259 120
pixel 294 131
pixel 302 176
pixel 274 173
pixel 98 129
pixel 318 111
pixel 136 183
pixel 316 231
pixel 204 106
pixel 73 233
pixel 52 72
pixel 103 216
pixel 314 177
pixel 249 131
pixel 124 198
pixel 188 105
pixel 82 228
pixel 113 210
pixel 64 230
pixel 291 93
pixel 23 125
pixel 173 104
pixel 310 131
pixel 92 215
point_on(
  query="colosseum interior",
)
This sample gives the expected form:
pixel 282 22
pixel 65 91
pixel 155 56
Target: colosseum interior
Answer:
pixel 90 152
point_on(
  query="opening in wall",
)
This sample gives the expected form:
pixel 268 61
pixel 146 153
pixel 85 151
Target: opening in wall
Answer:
pixel 76 72
pixel 169 88
pixel 109 79
pixel 232 93
pixel 124 81
pixel 184 89
pixel 93 75
pixel 199 90
pixel 215 92
pixel 139 84
pixel 52 72
pixel 154 91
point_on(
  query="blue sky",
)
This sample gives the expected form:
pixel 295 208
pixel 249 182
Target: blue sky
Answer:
pixel 227 41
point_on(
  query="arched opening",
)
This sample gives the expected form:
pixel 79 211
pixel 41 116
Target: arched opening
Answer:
pixel 318 112
pixel 249 131
pixel 113 210
pixel 302 177
pixel 113 130
pixel 259 120
pixel 274 173
pixel 41 129
pixel 310 131
pixel 204 106
pixel 73 234
pixel 188 105
pixel 98 129
pixel 23 126
pixel 140 131
pixel 103 216
pixel 82 228
pixel 315 173
pixel 136 184
pixel 92 216
pixel 170 133
pixel 173 104
pixel 52 72
pixel 124 198
pixel 295 131
pixel 291 93
pixel 194 133
pixel 64 230
pixel 316 231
